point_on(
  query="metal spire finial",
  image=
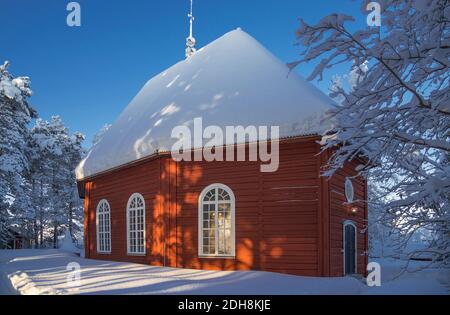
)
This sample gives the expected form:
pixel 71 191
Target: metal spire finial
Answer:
pixel 190 41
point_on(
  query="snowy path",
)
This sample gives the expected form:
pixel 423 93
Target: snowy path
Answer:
pixel 44 272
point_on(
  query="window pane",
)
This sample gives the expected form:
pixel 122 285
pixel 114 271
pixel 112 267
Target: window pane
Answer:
pixel 221 242
pixel 103 227
pixel 228 239
pixel 212 241
pixel 228 220
pixel 219 218
pixel 210 195
pixel 136 219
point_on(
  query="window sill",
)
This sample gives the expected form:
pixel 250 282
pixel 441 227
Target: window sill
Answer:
pixel 216 257
pixel 104 253
pixel 137 254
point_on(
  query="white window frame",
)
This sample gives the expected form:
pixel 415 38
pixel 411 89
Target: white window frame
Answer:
pixel 200 222
pixel 129 253
pixel 349 190
pixel 103 201
pixel 349 222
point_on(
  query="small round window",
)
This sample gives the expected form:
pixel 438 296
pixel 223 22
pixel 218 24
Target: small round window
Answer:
pixel 349 190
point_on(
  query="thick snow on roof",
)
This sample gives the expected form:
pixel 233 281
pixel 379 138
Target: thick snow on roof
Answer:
pixel 233 81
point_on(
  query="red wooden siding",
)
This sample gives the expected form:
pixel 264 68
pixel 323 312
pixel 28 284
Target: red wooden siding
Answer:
pixel 288 221
pixel 117 188
pixel 290 207
pixel 339 213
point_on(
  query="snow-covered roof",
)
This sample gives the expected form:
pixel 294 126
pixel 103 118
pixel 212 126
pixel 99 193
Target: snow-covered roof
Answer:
pixel 233 81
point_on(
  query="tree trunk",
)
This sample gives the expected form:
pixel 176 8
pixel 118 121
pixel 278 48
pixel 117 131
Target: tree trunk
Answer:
pixel 36 233
pixel 55 236
pixel 41 218
pixel 55 226
pixel 41 236
pixel 36 214
pixel 71 220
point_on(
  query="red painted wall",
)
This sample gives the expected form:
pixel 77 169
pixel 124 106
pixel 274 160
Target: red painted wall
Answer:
pixel 288 221
pixel 340 213
pixel 117 188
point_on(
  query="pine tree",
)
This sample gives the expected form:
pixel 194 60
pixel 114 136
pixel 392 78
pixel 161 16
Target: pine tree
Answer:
pixel 42 151
pixel 52 180
pixel 15 114
pixel 38 192
pixel 74 152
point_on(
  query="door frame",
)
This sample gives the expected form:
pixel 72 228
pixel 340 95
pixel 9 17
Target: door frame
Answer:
pixel 349 222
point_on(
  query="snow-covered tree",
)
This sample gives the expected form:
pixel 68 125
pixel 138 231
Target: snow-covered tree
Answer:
pixel 397 112
pixel 38 192
pixel 43 151
pixel 15 114
pixel 380 237
pixel 55 200
pixel 74 153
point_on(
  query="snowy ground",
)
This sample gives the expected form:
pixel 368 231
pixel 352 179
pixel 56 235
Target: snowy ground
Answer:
pixel 44 272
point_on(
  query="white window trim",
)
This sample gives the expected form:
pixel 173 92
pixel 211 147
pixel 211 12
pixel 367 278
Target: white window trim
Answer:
pixel 349 222
pixel 128 226
pixel 97 230
pixel 200 222
pixel 349 190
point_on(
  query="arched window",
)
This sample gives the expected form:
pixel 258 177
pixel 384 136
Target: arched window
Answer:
pixel 216 221
pixel 350 248
pixel 136 225
pixel 103 223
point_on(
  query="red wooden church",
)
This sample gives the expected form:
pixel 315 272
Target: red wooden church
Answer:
pixel 143 206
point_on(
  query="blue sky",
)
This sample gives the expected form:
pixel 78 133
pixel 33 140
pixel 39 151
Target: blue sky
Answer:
pixel 88 74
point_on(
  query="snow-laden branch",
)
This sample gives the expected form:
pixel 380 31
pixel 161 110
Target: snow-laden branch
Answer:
pixel 396 111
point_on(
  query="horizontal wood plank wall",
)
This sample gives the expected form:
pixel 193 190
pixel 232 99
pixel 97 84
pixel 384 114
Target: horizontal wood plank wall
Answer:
pixel 242 178
pixel 276 213
pixel 339 214
pixel 290 211
pixel 87 201
pixel 324 216
pixel 289 221
pixel 117 187
pixel 170 209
